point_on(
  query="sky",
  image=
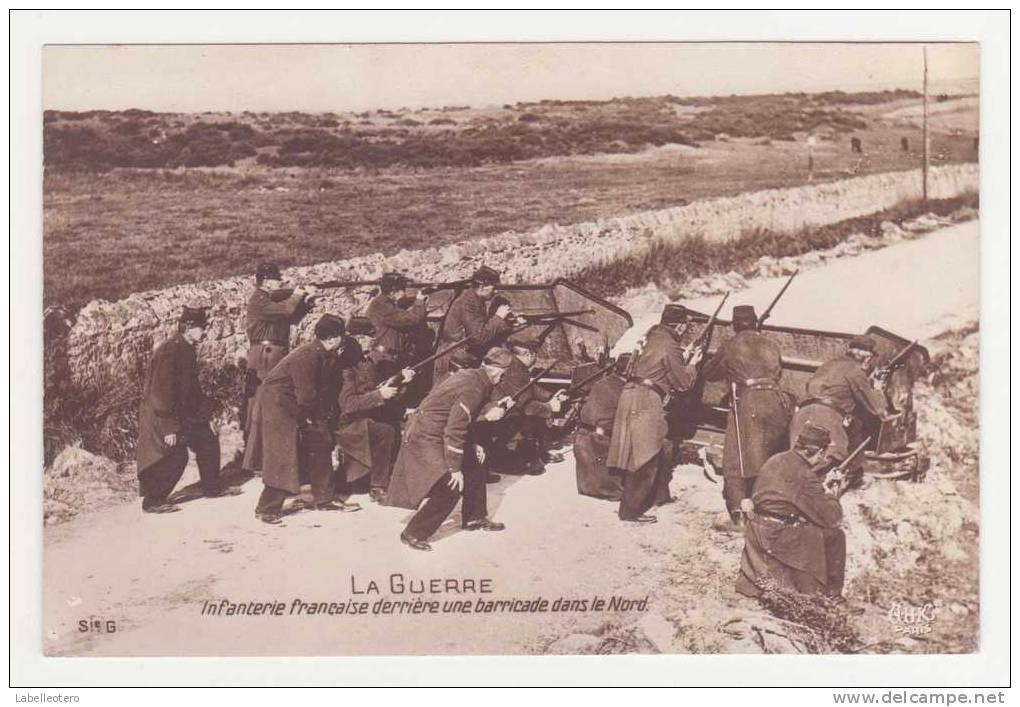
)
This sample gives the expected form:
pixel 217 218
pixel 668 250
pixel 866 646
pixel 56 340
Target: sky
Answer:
pixel 338 78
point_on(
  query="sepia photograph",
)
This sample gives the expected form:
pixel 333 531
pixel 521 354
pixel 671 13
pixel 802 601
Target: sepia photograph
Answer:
pixel 558 348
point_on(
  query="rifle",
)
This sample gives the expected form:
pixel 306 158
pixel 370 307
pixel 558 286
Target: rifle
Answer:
pixel 835 477
pixel 425 287
pixel 736 427
pixel 768 310
pixel 704 335
pixel 894 363
pixel 552 316
pixel 575 388
pixel 507 402
pixel 397 379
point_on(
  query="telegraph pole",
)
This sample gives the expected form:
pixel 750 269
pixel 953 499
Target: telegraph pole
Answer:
pixel 924 130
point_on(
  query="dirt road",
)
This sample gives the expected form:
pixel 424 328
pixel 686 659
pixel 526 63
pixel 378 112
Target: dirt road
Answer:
pixel 152 574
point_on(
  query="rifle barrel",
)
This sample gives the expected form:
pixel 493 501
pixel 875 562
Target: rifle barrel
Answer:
pixel 768 311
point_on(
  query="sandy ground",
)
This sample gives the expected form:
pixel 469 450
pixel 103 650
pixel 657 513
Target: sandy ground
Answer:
pixel 152 574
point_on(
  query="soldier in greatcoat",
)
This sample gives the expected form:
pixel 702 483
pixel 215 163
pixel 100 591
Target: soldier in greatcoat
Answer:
pixel 468 316
pixel 271 312
pixel 792 539
pixel 637 448
pixel 837 395
pixel 594 431
pixel 434 459
pixel 515 443
pixel 290 433
pixel 174 417
pixel 751 364
pixel 364 435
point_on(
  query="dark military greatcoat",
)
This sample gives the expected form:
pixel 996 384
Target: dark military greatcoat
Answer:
pixel 296 397
pixel 468 317
pixel 793 537
pixel 436 436
pixel 751 361
pixel 591 440
pixel 640 427
pixel 172 400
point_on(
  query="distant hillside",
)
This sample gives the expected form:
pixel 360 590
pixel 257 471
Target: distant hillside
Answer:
pixel 427 137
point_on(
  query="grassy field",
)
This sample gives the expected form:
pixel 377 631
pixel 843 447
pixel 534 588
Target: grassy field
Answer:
pixel 110 231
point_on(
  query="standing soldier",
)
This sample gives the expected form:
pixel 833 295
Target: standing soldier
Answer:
pixel 271 311
pixel 756 427
pixel 792 539
pixel 363 434
pixel 431 463
pixel 392 347
pixel 290 433
pixel 173 418
pixel 837 394
pixel 637 447
pixel 524 425
pixel 594 430
pixel 468 317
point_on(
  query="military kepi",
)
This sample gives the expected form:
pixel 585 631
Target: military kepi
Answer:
pixel 329 327
pixel 673 314
pixel 194 316
pixel 485 276
pixel 812 435
pixel 744 314
pixel 360 326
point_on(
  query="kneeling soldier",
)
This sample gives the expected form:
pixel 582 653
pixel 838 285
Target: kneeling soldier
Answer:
pixel 289 431
pixel 173 418
pixel 838 393
pixel 524 425
pixel 364 437
pixel 793 539
pixel 431 463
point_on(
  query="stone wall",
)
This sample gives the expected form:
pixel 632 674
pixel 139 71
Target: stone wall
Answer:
pixel 110 341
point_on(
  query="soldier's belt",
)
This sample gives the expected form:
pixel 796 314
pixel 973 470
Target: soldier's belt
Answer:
pixel 758 384
pixel 592 428
pixel 825 402
pixel 784 518
pixel 648 384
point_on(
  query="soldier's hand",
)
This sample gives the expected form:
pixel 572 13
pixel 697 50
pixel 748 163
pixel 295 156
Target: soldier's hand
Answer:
pixel 420 296
pixel 407 375
pixel 456 482
pixel 695 358
pixel 389 392
pixel 503 311
pixel 746 506
pixel 335 457
pixel 170 440
pixel 556 402
pixel 480 453
pixel 494 413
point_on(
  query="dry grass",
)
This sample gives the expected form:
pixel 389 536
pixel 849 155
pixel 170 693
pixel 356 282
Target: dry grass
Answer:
pixel 109 234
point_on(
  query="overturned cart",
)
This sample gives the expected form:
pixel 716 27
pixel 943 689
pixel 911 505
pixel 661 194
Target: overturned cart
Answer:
pixel 894 450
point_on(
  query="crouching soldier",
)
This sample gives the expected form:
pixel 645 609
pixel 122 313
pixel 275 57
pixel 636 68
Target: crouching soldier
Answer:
pixel 515 444
pixel 792 539
pixel 173 418
pixel 366 441
pixel 637 449
pixel 289 433
pixel 838 394
pixel 757 424
pixel 594 430
pixel 432 461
